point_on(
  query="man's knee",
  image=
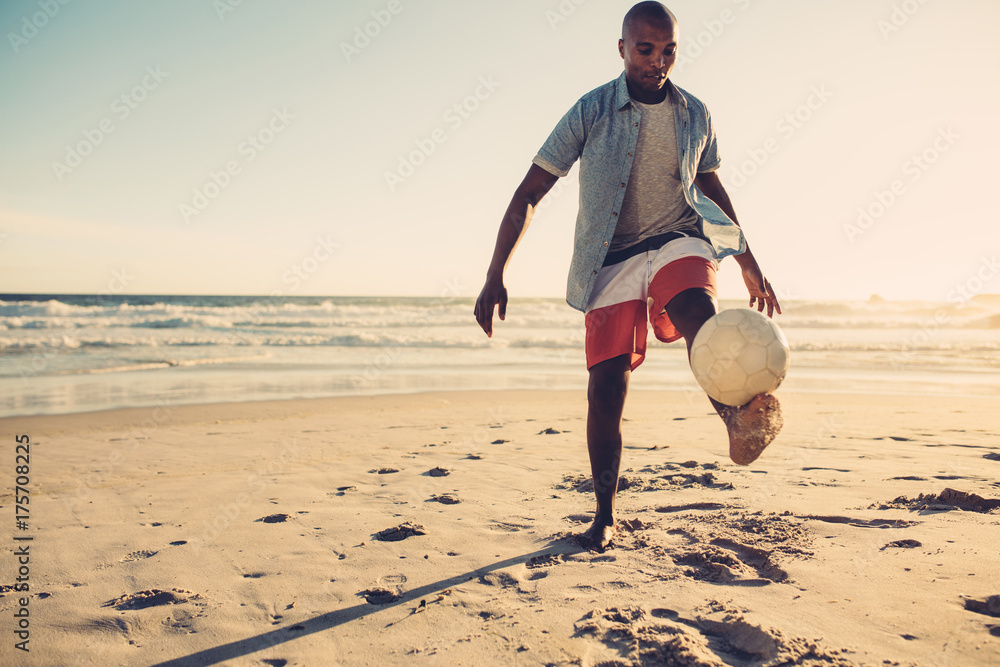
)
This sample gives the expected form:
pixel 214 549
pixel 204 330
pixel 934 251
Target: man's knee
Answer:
pixel 609 381
pixel 690 309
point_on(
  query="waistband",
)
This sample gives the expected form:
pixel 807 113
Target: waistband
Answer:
pixel 652 243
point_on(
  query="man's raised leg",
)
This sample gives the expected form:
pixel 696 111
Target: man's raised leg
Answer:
pixel 606 400
pixel 751 427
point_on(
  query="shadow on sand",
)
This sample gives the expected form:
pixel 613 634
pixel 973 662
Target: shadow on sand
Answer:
pixel 332 619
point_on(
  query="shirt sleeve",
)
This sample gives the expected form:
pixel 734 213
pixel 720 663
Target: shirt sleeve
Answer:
pixel 710 154
pixel 564 146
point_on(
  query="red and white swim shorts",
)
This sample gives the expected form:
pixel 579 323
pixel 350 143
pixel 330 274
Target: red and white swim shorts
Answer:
pixel 636 290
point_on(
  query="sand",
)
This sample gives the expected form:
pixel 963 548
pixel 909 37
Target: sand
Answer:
pixel 437 529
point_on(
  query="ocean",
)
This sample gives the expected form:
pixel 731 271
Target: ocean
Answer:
pixel 64 353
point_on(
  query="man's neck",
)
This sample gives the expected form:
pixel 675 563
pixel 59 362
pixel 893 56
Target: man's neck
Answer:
pixel 648 98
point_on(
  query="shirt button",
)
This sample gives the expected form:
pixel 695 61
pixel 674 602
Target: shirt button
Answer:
pixel 623 185
pixel 605 244
pixel 595 273
pixel 630 155
pixel 637 124
pixel 613 215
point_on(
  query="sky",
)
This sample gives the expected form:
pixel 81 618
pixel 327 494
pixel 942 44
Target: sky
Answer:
pixel 371 147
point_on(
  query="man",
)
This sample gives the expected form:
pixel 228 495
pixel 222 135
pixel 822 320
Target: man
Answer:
pixel 654 222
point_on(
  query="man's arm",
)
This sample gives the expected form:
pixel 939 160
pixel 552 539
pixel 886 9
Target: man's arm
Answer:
pixel 760 289
pixel 515 222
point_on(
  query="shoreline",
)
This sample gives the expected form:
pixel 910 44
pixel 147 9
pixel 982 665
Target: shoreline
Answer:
pixel 634 390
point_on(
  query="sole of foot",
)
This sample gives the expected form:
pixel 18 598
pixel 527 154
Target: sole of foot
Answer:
pixel 752 427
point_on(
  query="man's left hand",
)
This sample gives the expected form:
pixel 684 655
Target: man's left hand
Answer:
pixel 761 292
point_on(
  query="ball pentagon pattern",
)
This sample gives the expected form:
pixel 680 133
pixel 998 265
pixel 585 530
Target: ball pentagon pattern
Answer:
pixel 738 354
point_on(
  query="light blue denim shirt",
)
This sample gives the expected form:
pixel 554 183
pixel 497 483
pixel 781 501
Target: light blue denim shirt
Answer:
pixel 601 131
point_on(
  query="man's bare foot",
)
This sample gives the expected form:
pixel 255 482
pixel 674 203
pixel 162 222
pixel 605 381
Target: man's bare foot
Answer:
pixel 752 427
pixel 598 536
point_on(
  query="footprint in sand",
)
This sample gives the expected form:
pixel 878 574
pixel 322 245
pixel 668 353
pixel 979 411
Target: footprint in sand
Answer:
pixel 379 596
pixel 633 525
pixel 383 471
pixel 545 560
pixel 510 527
pixel 151 598
pixel 179 621
pixel 759 559
pixel 274 518
pixel 392 580
pixel 500 580
pixel 717 565
pixel 400 532
pixel 138 555
pixel 444 499
pixel 902 544
pixel 438 472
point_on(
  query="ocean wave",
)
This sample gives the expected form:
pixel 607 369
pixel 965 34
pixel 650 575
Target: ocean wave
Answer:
pixel 28 345
pixel 186 321
pixel 165 363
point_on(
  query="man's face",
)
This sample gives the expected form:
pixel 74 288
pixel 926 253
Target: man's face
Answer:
pixel 650 50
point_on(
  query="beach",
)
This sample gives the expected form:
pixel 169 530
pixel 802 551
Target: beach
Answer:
pixel 437 528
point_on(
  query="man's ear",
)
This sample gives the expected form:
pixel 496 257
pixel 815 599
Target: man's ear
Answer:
pixel 621 48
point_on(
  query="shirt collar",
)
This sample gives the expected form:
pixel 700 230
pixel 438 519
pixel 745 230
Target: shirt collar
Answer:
pixel 622 97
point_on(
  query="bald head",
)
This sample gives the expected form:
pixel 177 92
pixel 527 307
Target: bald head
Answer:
pixel 654 13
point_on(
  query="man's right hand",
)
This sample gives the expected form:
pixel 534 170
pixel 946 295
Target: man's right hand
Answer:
pixel 515 221
pixel 494 293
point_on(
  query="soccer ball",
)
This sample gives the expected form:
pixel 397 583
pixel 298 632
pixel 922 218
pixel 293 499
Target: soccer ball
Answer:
pixel 738 354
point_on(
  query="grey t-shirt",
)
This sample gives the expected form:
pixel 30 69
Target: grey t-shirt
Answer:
pixel 654 199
